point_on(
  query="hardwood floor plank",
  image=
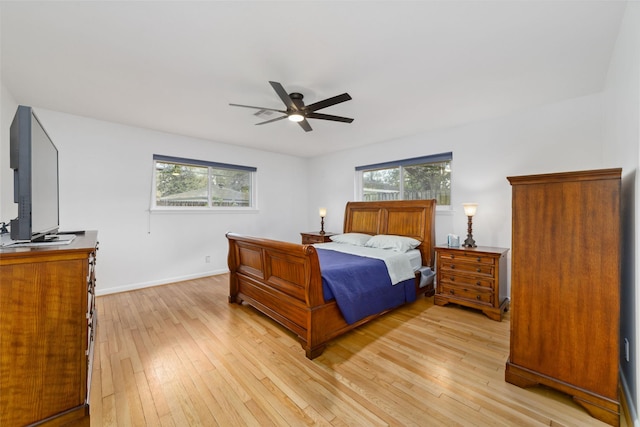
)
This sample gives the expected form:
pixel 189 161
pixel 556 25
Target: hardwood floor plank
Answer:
pixel 133 395
pixel 181 355
pixel 146 399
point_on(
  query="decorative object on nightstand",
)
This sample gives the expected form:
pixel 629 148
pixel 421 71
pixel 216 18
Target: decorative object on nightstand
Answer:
pixel 453 241
pixel 565 286
pixel 473 277
pixel 316 237
pixel 469 211
pixel 323 213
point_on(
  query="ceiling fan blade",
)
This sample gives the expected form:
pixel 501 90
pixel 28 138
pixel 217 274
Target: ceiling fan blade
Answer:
pixel 328 102
pixel 329 117
pixel 258 108
pixel 284 96
pixel 305 125
pixel 272 120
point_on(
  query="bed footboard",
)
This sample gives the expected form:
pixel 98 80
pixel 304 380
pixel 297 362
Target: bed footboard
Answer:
pixel 283 281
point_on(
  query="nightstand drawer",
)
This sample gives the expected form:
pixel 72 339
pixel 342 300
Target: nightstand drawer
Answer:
pixel 477 295
pixel 479 269
pixel 315 237
pixel 307 240
pixel 459 279
pixel 467 258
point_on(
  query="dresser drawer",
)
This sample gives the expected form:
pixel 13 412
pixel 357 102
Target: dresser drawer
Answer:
pixel 477 295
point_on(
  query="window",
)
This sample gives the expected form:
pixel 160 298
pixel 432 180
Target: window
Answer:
pixel 200 184
pixel 427 177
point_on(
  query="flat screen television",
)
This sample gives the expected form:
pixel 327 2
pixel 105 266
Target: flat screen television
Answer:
pixel 34 160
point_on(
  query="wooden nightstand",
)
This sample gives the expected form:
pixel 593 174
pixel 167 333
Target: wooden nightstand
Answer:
pixel 473 277
pixel 315 237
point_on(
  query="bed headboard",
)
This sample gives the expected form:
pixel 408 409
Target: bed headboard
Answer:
pixel 411 218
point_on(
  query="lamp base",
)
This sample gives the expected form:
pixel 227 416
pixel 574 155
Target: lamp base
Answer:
pixel 469 242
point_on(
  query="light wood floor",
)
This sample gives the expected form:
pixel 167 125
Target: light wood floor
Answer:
pixel 181 355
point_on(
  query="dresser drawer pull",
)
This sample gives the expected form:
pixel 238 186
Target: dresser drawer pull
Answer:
pixel 479 259
pixel 453 266
pixel 453 278
pixel 478 297
pixel 478 283
pixel 451 291
pixel 478 269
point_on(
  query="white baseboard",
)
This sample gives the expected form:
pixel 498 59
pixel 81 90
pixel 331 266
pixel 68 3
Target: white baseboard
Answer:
pixel 134 286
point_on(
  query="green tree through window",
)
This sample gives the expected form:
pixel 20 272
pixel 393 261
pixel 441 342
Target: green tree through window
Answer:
pixel 196 183
pixel 426 177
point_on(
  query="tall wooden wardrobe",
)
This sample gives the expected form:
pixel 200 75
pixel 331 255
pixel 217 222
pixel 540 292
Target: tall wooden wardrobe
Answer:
pixel 565 286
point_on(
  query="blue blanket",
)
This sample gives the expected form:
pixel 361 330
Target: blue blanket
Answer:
pixel 361 286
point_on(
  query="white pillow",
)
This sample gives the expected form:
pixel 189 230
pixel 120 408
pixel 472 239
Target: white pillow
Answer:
pixel 356 239
pixel 396 243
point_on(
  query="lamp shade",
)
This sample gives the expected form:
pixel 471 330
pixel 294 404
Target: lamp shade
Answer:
pixel 470 208
pixel 323 212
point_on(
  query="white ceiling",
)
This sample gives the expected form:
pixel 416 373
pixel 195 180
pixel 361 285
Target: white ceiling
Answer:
pixel 410 67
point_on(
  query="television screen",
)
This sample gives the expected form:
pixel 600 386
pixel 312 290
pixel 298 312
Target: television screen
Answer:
pixel 34 160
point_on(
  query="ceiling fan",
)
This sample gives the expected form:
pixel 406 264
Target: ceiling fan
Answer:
pixel 298 112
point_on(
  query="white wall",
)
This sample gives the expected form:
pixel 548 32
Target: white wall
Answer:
pixel 105 185
pixel 622 141
pixel 560 137
pixel 7 110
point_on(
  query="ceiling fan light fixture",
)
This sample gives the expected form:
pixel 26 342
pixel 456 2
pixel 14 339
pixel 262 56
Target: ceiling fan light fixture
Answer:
pixel 297 112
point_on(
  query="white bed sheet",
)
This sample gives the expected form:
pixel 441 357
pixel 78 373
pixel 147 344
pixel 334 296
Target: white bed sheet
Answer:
pixel 398 264
pixel 415 259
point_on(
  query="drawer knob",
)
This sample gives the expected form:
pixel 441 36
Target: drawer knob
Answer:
pixel 453 278
pixel 451 291
pixel 479 259
pixel 453 266
pixel 478 270
pixel 478 283
pixel 477 297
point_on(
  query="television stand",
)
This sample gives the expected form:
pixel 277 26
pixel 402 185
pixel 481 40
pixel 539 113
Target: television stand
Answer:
pixel 47 324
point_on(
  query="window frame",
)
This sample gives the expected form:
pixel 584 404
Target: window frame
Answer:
pixel 253 200
pixel 434 158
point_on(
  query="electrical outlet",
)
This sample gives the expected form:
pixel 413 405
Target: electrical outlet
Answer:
pixel 626 349
pixel 207 259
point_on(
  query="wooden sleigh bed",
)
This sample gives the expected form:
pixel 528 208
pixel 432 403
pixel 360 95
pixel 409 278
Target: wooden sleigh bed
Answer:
pixel 283 280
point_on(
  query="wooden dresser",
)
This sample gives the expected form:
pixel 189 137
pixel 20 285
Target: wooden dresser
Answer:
pixel 47 324
pixel 565 286
pixel 473 277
